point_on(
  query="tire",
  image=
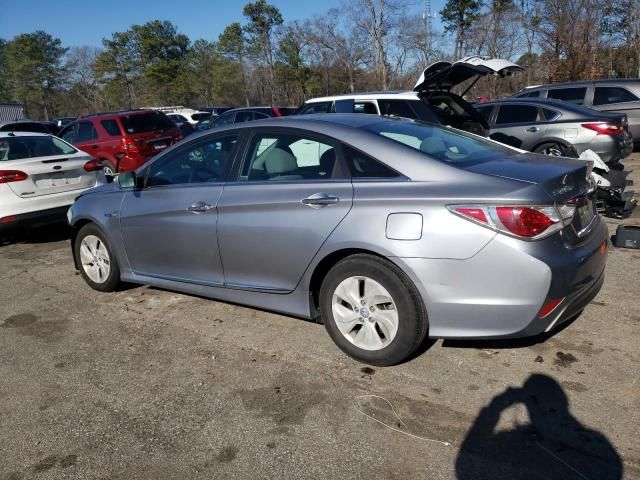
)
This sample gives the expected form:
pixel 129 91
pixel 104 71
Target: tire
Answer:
pixel 553 149
pixel 108 168
pixel 369 335
pixel 91 249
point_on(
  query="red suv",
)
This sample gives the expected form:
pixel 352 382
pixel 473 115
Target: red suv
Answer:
pixel 124 140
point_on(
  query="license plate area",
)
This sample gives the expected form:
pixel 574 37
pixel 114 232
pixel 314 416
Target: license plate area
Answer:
pixel 584 215
pixel 159 144
pixel 57 179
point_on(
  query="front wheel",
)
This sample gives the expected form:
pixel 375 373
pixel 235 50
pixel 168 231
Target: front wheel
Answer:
pixel 95 258
pixel 372 310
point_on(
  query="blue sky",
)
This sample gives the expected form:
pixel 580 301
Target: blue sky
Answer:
pixel 86 22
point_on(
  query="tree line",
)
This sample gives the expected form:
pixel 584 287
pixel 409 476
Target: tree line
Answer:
pixel 363 45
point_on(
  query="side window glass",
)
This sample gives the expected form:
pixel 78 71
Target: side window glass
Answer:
pixel 86 132
pixel 288 157
pixel 244 117
pixel 223 120
pixel 112 128
pixel 535 94
pixel 69 134
pixel 315 107
pixel 363 166
pixel 201 163
pixel 571 95
pixel 550 115
pixel 396 108
pixel 365 107
pixel 517 114
pixel 607 95
pixel 485 112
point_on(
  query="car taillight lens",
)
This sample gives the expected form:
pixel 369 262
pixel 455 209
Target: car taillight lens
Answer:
pixel 93 165
pixel 549 307
pixel 129 146
pixel 522 221
pixel 604 128
pixel 8 176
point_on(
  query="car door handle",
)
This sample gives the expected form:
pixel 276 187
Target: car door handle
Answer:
pixel 318 200
pixel 199 207
pixel 533 129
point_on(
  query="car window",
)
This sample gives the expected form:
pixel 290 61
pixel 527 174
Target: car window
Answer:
pixel 86 132
pixel 516 114
pixel 146 122
pixel 225 119
pixel 365 107
pixel 607 95
pixel 441 143
pixel 316 107
pixel 244 117
pixel 485 112
pixel 550 115
pixel 396 108
pixel 534 94
pixel 282 157
pixel 571 95
pixel 69 134
pixel 201 163
pixel 258 115
pixel 363 166
pixel 19 147
pixel 112 128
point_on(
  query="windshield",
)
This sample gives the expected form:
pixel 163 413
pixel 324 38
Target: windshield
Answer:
pixel 146 122
pixel 19 147
pixel 442 143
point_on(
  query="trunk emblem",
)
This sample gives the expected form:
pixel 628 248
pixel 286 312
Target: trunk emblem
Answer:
pixel 57 167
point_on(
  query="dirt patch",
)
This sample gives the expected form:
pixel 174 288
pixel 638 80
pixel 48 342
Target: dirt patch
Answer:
pixel 227 454
pixel 19 321
pixel 564 360
pixel 574 386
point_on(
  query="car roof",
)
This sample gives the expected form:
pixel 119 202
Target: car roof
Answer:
pixel 134 111
pixel 24 134
pixel 385 95
pixel 543 102
pixel 580 83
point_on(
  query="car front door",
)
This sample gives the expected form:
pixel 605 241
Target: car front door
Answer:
pixel 169 226
pixel 518 125
pixel 291 193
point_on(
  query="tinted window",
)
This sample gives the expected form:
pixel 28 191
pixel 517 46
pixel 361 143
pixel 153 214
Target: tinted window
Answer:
pixel 365 107
pixel 19 147
pixel 281 157
pixel 146 122
pixel 607 95
pixel 363 166
pixel 25 127
pixel 69 134
pixel 112 128
pixel 86 132
pixel 441 143
pixel 485 112
pixel 549 114
pixel 397 108
pixel 516 114
pixel 225 119
pixel 258 115
pixel 571 95
pixel 316 107
pixel 244 117
pixel 535 94
pixel 201 163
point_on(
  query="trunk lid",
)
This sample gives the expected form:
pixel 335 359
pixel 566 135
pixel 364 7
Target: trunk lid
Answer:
pixel 445 75
pixel 150 131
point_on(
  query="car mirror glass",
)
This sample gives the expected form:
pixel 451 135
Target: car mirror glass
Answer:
pixel 126 180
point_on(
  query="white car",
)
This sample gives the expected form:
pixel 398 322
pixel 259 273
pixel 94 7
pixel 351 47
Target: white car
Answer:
pixel 40 177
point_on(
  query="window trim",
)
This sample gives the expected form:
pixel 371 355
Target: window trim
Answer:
pixel 195 143
pixel 340 171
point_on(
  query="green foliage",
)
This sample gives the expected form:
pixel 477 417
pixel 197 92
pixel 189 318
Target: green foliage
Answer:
pixel 459 15
pixel 5 92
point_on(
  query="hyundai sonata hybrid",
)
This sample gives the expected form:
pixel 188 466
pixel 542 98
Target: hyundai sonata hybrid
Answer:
pixel 385 229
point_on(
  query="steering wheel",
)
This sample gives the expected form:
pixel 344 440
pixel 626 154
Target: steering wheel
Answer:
pixel 201 175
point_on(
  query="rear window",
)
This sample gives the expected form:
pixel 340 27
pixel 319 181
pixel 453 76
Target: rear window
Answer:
pixel 112 128
pixel 17 148
pixel 146 122
pixel 571 95
pixel 444 144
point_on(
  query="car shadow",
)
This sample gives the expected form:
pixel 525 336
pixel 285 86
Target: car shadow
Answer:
pixel 552 444
pixel 41 234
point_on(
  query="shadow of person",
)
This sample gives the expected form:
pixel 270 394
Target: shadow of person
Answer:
pixel 552 445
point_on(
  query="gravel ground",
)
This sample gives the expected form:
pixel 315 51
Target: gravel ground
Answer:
pixel 146 383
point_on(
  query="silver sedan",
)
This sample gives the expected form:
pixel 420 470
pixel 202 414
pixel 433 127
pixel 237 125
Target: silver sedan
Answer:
pixel 387 230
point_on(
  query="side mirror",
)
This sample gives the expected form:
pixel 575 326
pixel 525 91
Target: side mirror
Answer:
pixel 128 180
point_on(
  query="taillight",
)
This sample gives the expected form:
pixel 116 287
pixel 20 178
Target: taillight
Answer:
pixel 93 165
pixel 549 307
pixel 604 128
pixel 178 138
pixel 522 221
pixel 276 112
pixel 8 176
pixel 129 145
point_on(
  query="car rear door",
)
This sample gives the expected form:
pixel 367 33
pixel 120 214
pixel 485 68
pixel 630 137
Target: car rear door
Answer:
pixel 291 193
pixel 169 226
pixel 518 125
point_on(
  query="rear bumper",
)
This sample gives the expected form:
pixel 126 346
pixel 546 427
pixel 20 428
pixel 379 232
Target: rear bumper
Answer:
pixel 611 148
pixel 34 219
pixel 500 291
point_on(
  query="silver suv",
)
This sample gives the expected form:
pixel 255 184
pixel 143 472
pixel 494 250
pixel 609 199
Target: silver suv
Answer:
pixel 621 95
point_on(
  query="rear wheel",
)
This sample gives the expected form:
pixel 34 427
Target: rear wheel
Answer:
pixel 95 258
pixel 108 168
pixel 552 149
pixel 372 310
